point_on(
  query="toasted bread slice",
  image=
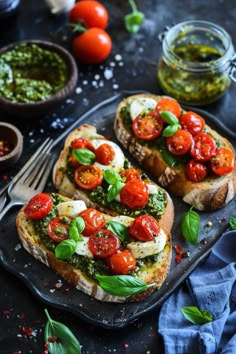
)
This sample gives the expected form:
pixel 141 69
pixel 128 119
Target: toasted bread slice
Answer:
pixel 65 186
pixel 152 272
pixel 212 193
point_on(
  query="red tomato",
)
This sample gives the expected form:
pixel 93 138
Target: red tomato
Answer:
pixel 90 13
pixel 144 228
pixel 103 243
pixel 92 46
pixel 168 104
pixel 94 220
pixel 203 147
pixel 88 176
pixel 130 173
pixel 195 171
pixel 134 194
pixel 73 162
pixel 57 229
pixel 122 262
pixel 81 143
pixel 179 143
pixel 104 154
pixel 192 122
pixel 147 126
pixel 39 206
pixel 223 162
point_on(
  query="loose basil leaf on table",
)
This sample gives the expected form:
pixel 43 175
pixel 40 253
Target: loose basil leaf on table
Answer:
pixel 195 315
pixel 232 223
pixel 190 225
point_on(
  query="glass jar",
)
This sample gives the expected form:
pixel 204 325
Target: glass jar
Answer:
pixel 197 62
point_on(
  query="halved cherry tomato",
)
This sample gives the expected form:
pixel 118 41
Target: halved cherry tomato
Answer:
pixel 192 122
pixel 88 176
pixel 223 162
pixel 57 229
pixel 130 174
pixel 168 104
pixel 73 162
pixel 134 194
pixel 94 220
pixel 122 262
pixel 39 206
pixel 103 243
pixel 104 154
pixel 92 46
pixel 179 143
pixel 195 171
pixel 144 228
pixel 92 13
pixel 203 147
pixel 147 126
pixel 82 143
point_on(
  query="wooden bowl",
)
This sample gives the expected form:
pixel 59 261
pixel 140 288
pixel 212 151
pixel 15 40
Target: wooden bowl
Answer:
pixel 32 109
pixel 10 135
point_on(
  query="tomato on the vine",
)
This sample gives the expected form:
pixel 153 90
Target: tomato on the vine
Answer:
pixel 147 126
pixel 39 206
pixel 92 46
pixel 89 13
pixel 88 176
pixel 93 219
pixel 122 262
pixel 168 104
pixel 192 122
pixel 144 228
pixel 103 243
pixel 223 162
pixel 179 143
pixel 57 229
pixel 203 147
pixel 195 171
pixel 134 194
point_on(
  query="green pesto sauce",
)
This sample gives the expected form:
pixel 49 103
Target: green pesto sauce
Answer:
pixel 30 73
pixel 193 88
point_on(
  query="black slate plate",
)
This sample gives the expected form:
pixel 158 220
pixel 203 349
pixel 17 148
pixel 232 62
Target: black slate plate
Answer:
pixel 41 280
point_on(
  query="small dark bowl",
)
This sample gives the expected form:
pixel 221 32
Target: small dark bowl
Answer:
pixel 47 105
pixel 14 138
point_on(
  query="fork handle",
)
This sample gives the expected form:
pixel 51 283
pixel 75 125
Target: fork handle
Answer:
pixel 8 207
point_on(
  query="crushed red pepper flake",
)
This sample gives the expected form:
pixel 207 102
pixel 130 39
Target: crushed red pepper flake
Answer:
pixel 126 346
pixel 223 219
pixel 27 330
pixel 6 312
pixel 203 241
pixel 52 339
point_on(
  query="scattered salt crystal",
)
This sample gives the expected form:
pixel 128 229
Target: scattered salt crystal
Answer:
pixel 115 86
pixel 18 247
pixel 121 63
pixel 31 133
pixel 108 73
pixel 118 57
pixel 32 141
pixel 70 101
pixel 112 64
pixel 85 82
pixel 140 50
pixel 41 130
pixel 52 290
pixel 85 102
pixel 97 77
pixel 101 83
pixel 78 90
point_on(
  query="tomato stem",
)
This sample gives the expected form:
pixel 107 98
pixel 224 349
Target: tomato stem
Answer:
pixel 133 5
pixel 134 20
pixel 77 28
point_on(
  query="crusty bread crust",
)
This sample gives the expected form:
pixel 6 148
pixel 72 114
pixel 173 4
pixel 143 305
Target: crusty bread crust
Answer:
pixel 155 273
pixel 65 187
pixel 210 194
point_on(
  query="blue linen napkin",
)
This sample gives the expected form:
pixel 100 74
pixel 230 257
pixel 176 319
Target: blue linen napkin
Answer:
pixel 211 287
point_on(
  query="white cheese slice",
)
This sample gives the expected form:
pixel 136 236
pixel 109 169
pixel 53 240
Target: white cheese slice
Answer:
pixel 71 208
pixel 117 164
pixel 124 220
pixel 140 104
pixel 152 188
pixel 83 249
pixel 141 249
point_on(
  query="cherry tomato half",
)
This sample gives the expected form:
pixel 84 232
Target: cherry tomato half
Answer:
pixel 223 162
pixel 92 13
pixel 104 154
pixel 92 46
pixel 57 229
pixel 147 126
pixel 103 243
pixel 168 104
pixel 179 143
pixel 88 176
pixel 122 262
pixel 144 228
pixel 94 220
pixel 203 147
pixel 130 173
pixel 134 194
pixel 195 171
pixel 39 206
pixel 82 143
pixel 192 122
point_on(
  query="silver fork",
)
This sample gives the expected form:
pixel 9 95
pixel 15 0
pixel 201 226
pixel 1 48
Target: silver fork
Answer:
pixel 30 183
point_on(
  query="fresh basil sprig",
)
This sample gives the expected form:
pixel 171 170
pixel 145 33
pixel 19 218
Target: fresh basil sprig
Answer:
pixel 190 225
pixel 65 341
pixel 195 315
pixel 134 20
pixel 118 229
pixel 116 181
pixel 122 285
pixel 173 122
pixel 232 223
pixel 84 156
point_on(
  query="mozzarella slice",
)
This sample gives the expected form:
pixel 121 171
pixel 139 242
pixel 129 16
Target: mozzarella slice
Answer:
pixel 83 249
pixel 152 188
pixel 124 220
pixel 143 249
pixel 71 208
pixel 117 164
pixel 140 104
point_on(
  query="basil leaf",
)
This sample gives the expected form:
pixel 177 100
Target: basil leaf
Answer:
pixel 118 229
pixel 169 117
pixel 65 343
pixel 84 156
pixel 190 225
pixel 170 159
pixel 170 130
pixel 195 315
pixel 114 191
pixel 122 285
pixel 111 176
pixel 65 249
pixel 232 223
